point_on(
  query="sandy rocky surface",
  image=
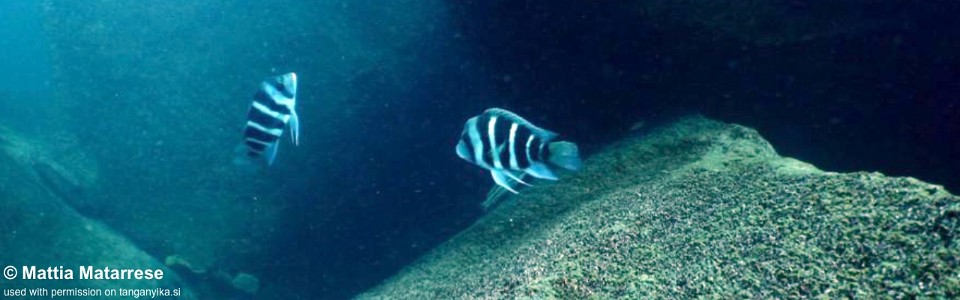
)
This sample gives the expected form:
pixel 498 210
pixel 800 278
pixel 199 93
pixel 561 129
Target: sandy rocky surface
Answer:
pixel 700 209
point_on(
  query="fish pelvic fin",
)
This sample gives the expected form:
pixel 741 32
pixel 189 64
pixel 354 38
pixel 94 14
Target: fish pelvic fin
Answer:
pixel 565 155
pixel 270 154
pixel 502 180
pixel 494 197
pixel 516 176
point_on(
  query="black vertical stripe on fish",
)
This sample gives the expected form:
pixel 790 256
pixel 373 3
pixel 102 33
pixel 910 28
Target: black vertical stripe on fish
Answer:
pixel 501 131
pixel 535 149
pixel 260 135
pixel 504 154
pixel 544 151
pixel 481 127
pixel 520 143
pixel 526 148
pixel 283 90
pixel 255 145
pixel 264 120
pixel 487 157
pixel 263 98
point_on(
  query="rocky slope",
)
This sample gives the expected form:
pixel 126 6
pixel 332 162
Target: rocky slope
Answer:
pixel 700 209
pixel 40 227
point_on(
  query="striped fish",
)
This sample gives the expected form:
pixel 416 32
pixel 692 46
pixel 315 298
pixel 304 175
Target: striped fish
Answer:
pixel 510 146
pixel 272 110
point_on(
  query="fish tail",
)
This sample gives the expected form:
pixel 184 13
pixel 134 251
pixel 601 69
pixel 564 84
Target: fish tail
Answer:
pixel 565 154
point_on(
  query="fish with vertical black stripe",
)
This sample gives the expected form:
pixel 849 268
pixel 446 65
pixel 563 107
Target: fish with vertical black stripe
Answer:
pixel 272 111
pixel 510 146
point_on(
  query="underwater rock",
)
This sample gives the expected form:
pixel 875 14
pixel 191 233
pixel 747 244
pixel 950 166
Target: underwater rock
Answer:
pixel 39 229
pixel 175 261
pixel 66 177
pixel 60 185
pixel 700 209
pixel 244 282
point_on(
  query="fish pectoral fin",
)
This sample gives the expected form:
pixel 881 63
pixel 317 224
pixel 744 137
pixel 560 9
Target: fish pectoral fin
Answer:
pixel 271 152
pixel 542 171
pixel 502 180
pixel 295 127
pixel 514 176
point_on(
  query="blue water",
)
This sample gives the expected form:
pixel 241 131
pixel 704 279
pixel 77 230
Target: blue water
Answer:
pixel 26 69
pixel 154 94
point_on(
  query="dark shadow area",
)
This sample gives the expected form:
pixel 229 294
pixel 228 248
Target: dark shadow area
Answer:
pixel 881 97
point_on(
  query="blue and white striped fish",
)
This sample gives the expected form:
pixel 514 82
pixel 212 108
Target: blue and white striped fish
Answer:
pixel 510 146
pixel 272 110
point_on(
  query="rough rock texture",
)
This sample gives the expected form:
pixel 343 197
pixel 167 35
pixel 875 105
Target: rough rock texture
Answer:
pixel 38 227
pixel 700 209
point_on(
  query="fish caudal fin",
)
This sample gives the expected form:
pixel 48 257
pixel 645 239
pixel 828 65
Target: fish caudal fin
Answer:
pixel 565 155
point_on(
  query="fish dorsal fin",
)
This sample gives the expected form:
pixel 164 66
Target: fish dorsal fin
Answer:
pixel 541 133
pixel 506 114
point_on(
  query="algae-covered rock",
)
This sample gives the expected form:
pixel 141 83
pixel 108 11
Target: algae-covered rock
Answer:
pixel 700 209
